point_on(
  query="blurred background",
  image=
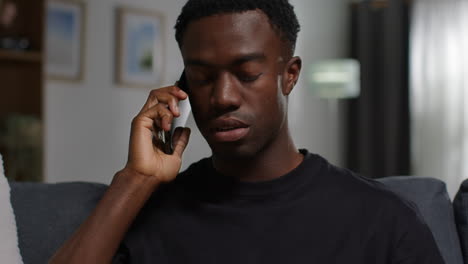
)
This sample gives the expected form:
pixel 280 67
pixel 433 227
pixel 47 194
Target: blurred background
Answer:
pixel 382 91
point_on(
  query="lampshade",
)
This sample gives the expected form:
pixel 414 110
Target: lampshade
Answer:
pixel 337 78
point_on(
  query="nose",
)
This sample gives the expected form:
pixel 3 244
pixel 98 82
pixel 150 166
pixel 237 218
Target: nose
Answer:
pixel 226 96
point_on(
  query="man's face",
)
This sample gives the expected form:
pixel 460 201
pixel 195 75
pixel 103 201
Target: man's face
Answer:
pixel 234 66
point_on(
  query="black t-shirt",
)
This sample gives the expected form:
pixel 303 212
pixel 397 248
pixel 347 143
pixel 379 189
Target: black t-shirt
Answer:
pixel 317 213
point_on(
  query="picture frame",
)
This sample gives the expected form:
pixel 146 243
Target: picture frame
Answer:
pixel 65 38
pixel 140 52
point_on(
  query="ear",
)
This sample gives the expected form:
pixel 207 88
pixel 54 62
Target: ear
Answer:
pixel 291 73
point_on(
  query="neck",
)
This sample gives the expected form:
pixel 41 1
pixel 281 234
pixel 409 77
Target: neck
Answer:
pixel 272 162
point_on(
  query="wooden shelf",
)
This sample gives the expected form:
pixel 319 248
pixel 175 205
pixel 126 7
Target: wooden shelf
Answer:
pixel 21 88
pixel 20 56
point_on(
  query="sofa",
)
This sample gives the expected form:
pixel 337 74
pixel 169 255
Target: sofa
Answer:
pixel 47 214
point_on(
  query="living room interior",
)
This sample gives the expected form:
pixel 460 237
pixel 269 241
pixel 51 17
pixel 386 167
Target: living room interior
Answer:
pixel 86 120
pixel 68 94
pixel 84 115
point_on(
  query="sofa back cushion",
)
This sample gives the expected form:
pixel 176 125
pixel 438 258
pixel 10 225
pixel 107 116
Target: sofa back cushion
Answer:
pixel 48 214
pixel 460 206
pixel 431 198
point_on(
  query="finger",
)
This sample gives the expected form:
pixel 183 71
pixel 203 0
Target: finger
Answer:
pixel 170 100
pixel 178 92
pixel 165 117
pixel 179 95
pixel 170 90
pixel 160 116
pixel 177 132
pixel 169 95
pixel 151 101
pixel 180 140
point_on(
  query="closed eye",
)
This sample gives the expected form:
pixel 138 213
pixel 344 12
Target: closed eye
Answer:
pixel 248 78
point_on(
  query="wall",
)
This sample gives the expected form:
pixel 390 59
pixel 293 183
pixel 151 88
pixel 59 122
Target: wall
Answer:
pixel 317 124
pixel 88 123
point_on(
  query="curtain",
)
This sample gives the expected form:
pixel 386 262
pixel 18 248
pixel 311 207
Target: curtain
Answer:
pixel 439 90
pixel 378 135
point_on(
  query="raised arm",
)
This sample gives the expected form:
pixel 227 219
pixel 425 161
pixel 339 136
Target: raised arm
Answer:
pixel 98 238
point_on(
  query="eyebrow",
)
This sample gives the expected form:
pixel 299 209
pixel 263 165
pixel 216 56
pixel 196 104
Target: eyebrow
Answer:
pixel 238 61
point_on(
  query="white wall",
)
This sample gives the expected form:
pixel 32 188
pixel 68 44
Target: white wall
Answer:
pixel 317 124
pixel 88 123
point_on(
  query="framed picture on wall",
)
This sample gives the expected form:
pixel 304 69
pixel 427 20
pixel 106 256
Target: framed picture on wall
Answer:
pixel 140 47
pixel 65 33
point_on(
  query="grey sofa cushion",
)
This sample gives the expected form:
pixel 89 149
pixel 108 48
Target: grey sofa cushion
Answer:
pixel 431 197
pixel 460 206
pixel 47 214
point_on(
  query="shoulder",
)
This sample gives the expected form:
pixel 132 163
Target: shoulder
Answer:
pixel 377 205
pixel 368 195
pixel 385 214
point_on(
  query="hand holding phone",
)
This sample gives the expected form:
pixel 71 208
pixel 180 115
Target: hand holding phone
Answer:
pixel 146 149
pixel 184 106
pixel 185 109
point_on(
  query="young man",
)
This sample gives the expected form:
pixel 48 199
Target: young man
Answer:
pixel 257 199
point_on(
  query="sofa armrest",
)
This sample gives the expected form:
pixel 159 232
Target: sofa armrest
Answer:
pixel 48 214
pixel 433 202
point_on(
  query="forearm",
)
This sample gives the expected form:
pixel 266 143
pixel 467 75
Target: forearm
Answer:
pixel 98 238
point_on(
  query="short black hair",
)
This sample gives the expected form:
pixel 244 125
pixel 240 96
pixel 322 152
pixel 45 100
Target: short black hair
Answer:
pixel 279 12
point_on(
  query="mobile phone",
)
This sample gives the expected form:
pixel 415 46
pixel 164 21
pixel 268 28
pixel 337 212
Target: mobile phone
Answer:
pixel 185 109
pixel 182 83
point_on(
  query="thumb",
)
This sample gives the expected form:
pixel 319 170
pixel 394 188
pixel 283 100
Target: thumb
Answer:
pixel 180 140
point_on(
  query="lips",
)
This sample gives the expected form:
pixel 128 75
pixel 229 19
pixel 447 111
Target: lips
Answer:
pixel 228 130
